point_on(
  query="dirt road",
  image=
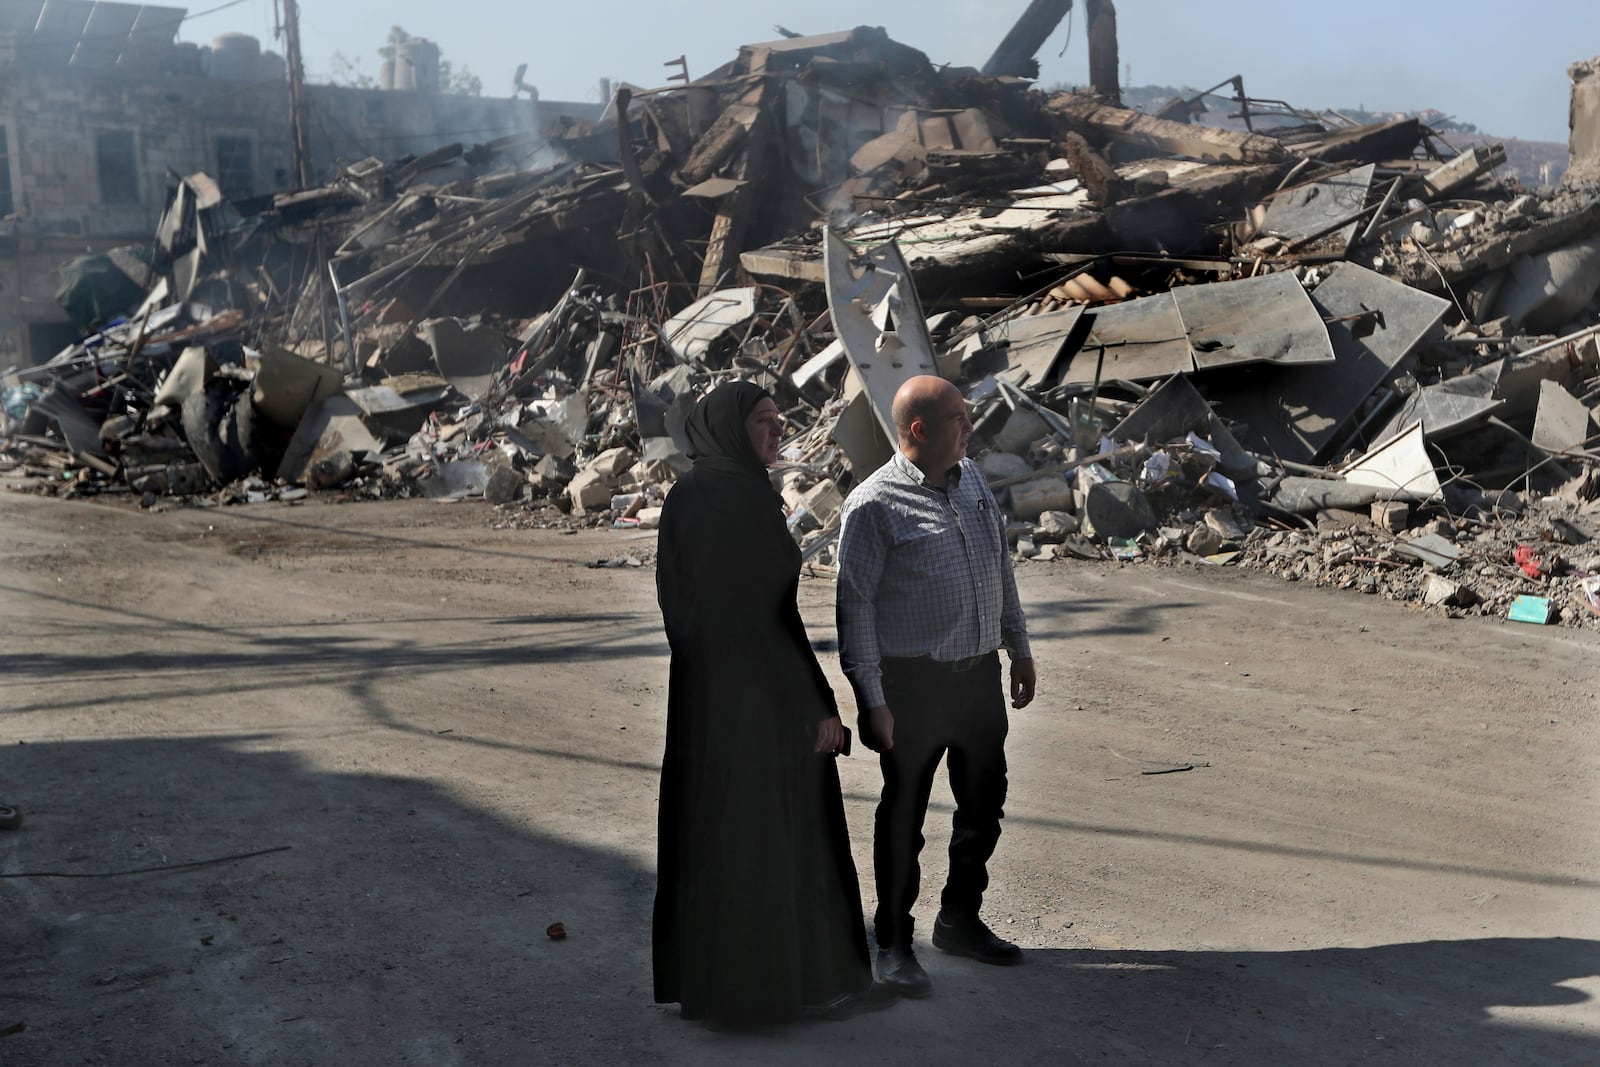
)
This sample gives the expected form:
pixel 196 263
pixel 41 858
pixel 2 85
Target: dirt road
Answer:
pixel 1387 850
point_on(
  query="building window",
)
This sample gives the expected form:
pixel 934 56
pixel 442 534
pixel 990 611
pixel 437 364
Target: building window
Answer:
pixel 119 169
pixel 6 206
pixel 235 168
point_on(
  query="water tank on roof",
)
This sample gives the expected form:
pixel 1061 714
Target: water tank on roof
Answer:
pixel 235 57
pixel 416 65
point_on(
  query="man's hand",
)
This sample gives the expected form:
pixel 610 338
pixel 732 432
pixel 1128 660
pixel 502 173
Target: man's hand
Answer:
pixel 1023 679
pixel 830 735
pixel 880 735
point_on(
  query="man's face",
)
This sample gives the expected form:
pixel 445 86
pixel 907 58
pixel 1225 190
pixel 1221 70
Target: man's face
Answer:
pixel 945 431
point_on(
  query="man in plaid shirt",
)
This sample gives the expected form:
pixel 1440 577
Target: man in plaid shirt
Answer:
pixel 926 597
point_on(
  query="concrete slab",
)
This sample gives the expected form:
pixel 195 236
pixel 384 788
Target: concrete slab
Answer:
pixel 1142 340
pixel 1562 422
pixel 1037 342
pixel 1305 213
pixel 1300 412
pixel 1265 319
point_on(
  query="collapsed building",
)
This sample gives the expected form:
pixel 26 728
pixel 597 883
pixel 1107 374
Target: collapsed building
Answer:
pixel 1348 354
pixel 101 107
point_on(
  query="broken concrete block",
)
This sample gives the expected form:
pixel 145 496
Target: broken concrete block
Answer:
pixel 1520 383
pixel 649 472
pixel 880 150
pixel 1055 525
pixel 822 501
pixel 1118 509
pixel 998 466
pixel 1203 540
pixel 1225 524
pixel 1033 498
pixel 553 471
pixel 1022 428
pixel 1443 592
pixel 1547 290
pixel 504 485
pixel 610 464
pixel 1462 170
pixel 649 518
pixel 1391 515
pixel 1440 528
pixel 791 485
pixel 590 491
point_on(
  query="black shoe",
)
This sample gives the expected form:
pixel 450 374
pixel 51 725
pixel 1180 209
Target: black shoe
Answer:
pixel 971 938
pixel 898 969
pixel 875 997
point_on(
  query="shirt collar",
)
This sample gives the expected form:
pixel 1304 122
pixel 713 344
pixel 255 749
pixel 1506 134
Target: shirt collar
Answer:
pixel 914 473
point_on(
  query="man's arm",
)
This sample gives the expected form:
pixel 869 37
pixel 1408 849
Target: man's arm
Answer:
pixel 1013 626
pixel 862 555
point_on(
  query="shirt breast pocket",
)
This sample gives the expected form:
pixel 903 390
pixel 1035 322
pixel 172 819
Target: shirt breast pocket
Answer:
pixel 986 530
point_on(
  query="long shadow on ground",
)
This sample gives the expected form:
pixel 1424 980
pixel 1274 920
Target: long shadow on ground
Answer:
pixel 405 926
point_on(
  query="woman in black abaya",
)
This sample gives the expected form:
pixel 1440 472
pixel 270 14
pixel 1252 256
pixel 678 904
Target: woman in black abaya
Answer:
pixel 757 910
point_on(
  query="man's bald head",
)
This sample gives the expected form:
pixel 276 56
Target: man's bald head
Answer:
pixel 921 398
pixel 930 418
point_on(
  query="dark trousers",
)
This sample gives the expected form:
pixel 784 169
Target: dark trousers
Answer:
pixel 938 711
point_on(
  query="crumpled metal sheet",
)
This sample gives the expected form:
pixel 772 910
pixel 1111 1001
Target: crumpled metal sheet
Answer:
pixel 692 331
pixel 878 316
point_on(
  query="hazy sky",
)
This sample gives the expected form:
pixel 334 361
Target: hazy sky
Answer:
pixel 1501 66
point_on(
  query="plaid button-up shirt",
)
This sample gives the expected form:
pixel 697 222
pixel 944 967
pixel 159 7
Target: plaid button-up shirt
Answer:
pixel 923 571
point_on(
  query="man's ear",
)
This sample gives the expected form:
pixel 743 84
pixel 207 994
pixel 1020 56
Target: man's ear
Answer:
pixel 919 431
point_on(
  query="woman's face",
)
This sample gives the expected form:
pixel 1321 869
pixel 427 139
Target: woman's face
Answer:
pixel 765 427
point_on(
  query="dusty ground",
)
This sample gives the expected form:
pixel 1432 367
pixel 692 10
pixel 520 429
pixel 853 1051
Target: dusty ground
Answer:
pixel 1386 851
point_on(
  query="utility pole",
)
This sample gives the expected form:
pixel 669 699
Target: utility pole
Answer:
pixel 299 144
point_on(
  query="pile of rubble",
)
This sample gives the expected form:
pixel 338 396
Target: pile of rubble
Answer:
pixel 1346 354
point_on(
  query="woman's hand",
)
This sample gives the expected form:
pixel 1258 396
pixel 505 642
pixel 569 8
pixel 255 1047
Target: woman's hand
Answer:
pixel 830 735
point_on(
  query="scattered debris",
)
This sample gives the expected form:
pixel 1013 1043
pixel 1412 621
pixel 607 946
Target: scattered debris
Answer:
pixel 1348 355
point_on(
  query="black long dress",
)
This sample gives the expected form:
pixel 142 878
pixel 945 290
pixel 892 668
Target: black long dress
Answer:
pixel 757 910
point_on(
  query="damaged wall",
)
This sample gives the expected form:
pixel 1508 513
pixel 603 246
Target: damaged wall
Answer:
pixel 1584 121
pixel 90 152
